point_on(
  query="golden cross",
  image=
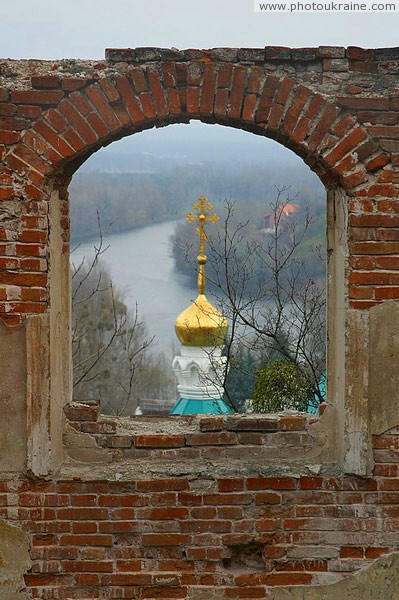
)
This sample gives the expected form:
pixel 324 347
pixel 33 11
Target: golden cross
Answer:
pixel 203 207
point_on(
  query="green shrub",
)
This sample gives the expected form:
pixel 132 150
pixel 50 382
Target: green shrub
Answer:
pixel 281 385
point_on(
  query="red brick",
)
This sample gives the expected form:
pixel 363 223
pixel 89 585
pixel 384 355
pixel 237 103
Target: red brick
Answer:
pixel 170 539
pixel 98 125
pixel 372 553
pixel 351 552
pixel 361 293
pixel 56 141
pixel 231 485
pixel 224 75
pixel 227 499
pixel 29 279
pixel 6 193
pixel 326 120
pixel 24 307
pixel 78 122
pixel 169 74
pixel 87 540
pixel 310 483
pixel 208 90
pixel 387 293
pixel 272 483
pixel 276 112
pixel 158 92
pixel 159 441
pixel 193 95
pixel 36 97
pixel 71 84
pixel 8 110
pixel 211 424
pixel 82 514
pixel 237 92
pixel 125 579
pixel 139 80
pixel 270 498
pixel 256 80
pixel 11 321
pixel 109 90
pixel 115 499
pixel 356 53
pixel 301 130
pixel 169 513
pixel 34 294
pixel 162 485
pixel 33 235
pixel 377 162
pixel 147 105
pixel 175 107
pixel 292 423
pixel 45 82
pixel 32 159
pixel 91 566
pixel 347 144
pixel 284 90
pixel 74 139
pixel 354 179
pixel 248 111
pixel 364 103
pixel 384 189
pixel 292 115
pixel 265 103
pixel 223 438
pixel 13 123
pixel 102 105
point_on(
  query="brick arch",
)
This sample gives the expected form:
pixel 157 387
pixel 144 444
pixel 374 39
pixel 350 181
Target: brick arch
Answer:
pixel 329 139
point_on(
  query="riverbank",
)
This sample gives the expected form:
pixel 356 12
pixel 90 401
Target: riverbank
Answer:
pixel 142 266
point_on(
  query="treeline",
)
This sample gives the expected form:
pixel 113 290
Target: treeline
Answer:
pixel 131 200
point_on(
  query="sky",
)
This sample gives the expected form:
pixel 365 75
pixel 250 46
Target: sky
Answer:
pixel 54 29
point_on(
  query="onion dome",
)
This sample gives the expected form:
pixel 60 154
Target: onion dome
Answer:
pixel 201 324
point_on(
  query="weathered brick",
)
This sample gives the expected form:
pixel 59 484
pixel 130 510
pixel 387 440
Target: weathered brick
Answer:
pixel 251 423
pixel 237 93
pixel 45 81
pixel 82 411
pixel 36 97
pixel 159 441
pixel 222 438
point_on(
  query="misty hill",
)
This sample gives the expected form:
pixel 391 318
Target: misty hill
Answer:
pixel 158 174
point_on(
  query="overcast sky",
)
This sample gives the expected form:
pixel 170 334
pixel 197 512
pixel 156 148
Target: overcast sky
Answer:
pixel 83 28
pixel 53 29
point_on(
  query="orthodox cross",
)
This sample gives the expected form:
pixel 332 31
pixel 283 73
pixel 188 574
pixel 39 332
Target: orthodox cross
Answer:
pixel 203 207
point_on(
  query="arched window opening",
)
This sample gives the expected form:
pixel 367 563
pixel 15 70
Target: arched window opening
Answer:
pixel 265 269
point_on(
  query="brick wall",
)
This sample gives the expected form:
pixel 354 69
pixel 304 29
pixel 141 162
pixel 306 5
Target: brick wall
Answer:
pixel 243 505
pixel 171 537
pixel 336 107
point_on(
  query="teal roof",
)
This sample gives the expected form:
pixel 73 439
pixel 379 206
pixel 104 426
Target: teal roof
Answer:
pixel 186 406
pixel 313 405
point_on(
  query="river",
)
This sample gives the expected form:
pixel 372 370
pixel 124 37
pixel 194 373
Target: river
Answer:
pixel 141 265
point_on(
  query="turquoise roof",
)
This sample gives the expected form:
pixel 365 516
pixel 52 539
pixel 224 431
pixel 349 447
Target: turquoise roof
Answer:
pixel 313 405
pixel 186 406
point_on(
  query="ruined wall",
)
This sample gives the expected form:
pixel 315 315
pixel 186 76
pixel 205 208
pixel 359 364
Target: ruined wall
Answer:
pixel 286 507
pixel 207 508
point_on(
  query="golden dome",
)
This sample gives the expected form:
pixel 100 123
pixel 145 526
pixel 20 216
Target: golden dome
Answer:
pixel 201 324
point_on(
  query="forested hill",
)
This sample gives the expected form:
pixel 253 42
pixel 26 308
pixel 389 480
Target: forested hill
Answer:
pixel 134 199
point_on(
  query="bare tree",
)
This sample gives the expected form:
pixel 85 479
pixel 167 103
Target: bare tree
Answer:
pixel 262 285
pixel 110 345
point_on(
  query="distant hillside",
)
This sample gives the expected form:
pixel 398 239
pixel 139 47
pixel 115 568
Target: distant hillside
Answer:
pixel 151 195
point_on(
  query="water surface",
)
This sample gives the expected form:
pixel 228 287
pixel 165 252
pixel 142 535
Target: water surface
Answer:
pixel 141 264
